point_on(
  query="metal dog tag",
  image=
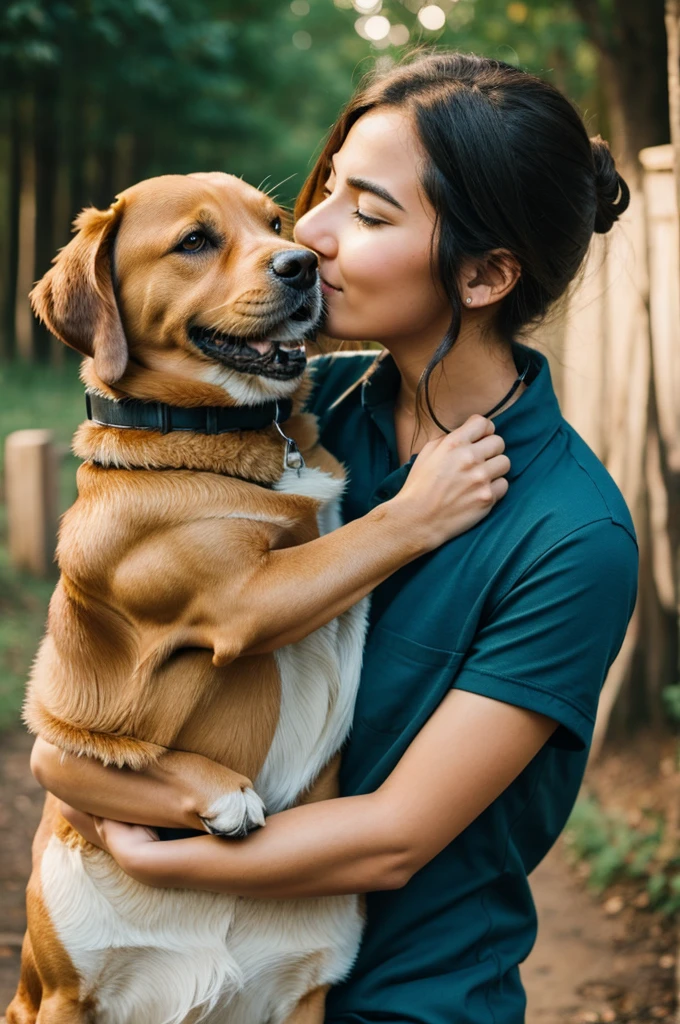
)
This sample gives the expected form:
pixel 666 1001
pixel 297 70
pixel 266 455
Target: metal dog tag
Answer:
pixel 292 456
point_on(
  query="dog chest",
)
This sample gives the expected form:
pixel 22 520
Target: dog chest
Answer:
pixel 319 674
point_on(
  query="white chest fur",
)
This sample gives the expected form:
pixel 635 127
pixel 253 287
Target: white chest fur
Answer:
pixel 319 674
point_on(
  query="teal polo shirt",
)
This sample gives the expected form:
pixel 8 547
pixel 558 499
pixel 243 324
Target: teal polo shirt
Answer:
pixel 530 607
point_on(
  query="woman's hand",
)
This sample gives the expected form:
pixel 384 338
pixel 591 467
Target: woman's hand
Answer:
pixel 123 842
pixel 454 483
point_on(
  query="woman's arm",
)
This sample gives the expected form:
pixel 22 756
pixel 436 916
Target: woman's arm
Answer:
pixel 453 484
pixel 446 778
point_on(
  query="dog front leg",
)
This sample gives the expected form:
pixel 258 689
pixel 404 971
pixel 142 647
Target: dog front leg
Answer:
pixel 223 800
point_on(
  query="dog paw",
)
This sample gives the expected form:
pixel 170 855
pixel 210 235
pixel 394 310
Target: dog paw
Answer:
pixel 235 814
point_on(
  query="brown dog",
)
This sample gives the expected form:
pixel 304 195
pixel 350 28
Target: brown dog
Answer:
pixel 184 297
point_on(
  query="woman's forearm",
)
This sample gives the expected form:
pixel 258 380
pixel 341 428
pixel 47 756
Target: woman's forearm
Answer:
pixel 312 583
pixel 159 796
pixel 453 484
pixel 346 845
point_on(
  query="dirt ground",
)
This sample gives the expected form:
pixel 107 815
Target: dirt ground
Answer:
pixel 596 959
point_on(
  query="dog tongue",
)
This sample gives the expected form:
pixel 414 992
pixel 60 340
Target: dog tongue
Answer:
pixel 261 346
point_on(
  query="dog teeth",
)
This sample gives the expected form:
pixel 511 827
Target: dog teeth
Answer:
pixel 261 346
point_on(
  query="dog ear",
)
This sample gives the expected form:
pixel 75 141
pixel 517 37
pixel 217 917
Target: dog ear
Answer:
pixel 75 299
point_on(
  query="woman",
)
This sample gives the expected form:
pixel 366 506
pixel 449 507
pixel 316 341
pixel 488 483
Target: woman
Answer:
pixel 453 204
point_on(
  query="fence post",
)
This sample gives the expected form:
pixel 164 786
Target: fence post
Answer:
pixel 31 493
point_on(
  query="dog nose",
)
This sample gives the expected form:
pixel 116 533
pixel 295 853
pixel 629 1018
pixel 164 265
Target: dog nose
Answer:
pixel 296 267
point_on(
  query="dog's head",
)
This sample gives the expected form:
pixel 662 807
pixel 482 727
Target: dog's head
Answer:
pixel 189 276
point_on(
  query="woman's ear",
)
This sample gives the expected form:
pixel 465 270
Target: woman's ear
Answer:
pixel 75 299
pixel 489 280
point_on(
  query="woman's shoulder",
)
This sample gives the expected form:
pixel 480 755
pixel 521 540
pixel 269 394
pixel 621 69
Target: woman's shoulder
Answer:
pixel 591 491
pixel 334 374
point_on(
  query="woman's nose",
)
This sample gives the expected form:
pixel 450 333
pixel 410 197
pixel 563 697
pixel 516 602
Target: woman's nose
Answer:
pixel 315 231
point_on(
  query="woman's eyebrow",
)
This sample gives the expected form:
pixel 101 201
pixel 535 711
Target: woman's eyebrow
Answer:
pixel 363 185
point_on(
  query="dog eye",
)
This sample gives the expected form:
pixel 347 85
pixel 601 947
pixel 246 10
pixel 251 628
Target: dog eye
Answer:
pixel 193 242
pixel 276 224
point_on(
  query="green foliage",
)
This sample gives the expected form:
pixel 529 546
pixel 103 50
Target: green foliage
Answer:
pixel 615 850
pixel 670 696
pixel 184 84
pixel 181 85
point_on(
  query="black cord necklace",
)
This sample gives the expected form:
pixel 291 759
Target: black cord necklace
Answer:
pixel 506 398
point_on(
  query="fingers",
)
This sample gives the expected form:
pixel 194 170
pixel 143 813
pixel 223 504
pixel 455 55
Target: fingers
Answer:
pixel 488 447
pixel 474 429
pixel 498 466
pixel 499 488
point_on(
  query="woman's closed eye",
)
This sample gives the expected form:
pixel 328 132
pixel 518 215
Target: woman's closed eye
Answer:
pixel 363 218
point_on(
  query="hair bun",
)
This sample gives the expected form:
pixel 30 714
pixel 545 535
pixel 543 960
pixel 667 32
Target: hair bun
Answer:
pixel 613 194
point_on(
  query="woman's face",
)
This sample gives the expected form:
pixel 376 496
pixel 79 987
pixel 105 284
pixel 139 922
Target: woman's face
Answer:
pixel 372 232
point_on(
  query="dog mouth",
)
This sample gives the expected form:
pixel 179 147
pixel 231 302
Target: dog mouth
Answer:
pixel 278 353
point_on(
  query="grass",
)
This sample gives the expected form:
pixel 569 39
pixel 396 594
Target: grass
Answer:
pixel 31 396
pixel 615 850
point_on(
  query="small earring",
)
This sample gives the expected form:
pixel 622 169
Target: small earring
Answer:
pixel 469 299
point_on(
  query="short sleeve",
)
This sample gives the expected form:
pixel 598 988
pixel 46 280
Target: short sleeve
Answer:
pixel 548 644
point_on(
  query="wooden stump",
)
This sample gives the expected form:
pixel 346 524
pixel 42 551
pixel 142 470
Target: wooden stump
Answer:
pixel 31 494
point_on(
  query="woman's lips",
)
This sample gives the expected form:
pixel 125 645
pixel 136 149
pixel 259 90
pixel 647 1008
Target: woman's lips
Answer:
pixel 327 288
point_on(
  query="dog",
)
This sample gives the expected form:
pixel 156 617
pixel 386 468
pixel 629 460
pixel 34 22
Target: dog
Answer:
pixel 190 307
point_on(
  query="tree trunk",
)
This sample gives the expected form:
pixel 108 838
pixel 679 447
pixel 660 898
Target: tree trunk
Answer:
pixel 5 219
pixel 45 193
pixel 7 312
pixel 23 318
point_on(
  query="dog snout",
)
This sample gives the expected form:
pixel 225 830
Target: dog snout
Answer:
pixel 296 267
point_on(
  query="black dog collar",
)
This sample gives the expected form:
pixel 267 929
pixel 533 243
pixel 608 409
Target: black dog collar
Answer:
pixel 214 419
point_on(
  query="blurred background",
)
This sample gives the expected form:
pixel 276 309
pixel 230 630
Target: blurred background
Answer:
pixel 97 94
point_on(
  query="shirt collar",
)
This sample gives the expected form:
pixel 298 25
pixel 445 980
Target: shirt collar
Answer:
pixel 526 426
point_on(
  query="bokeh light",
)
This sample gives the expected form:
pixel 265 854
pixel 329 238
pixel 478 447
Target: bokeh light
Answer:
pixel 518 12
pixel 367 6
pixel 431 17
pixel 377 27
pixel 302 40
pixel 399 35
pixel 300 7
pixel 360 27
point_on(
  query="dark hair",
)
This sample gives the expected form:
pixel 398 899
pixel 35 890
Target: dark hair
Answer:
pixel 509 166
